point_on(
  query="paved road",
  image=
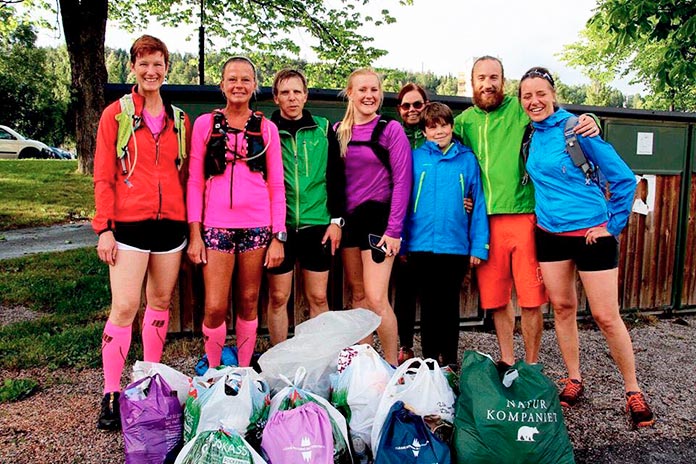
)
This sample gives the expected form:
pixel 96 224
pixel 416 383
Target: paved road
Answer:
pixel 21 242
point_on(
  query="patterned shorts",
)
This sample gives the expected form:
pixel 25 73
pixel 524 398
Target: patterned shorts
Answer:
pixel 235 241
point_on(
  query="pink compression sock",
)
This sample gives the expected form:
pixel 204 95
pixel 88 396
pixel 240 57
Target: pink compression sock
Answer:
pixel 155 325
pixel 246 340
pixel 214 341
pixel 115 345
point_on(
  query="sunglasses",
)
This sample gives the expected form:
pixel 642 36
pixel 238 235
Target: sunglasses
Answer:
pixel 416 105
pixel 537 73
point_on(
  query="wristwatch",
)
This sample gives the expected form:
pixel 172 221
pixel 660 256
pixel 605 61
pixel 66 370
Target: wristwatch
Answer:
pixel 281 236
pixel 340 222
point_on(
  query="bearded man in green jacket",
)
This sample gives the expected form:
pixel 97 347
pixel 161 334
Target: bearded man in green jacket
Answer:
pixel 494 128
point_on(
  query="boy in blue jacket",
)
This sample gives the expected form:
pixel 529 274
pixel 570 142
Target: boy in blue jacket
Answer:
pixel 440 237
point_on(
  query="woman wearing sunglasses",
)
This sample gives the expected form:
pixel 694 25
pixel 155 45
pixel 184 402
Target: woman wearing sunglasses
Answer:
pixel 411 99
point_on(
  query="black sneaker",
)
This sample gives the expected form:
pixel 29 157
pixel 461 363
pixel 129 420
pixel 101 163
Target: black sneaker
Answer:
pixel 110 416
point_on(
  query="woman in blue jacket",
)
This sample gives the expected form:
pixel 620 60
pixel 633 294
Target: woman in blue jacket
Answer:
pixel 577 227
pixel 441 237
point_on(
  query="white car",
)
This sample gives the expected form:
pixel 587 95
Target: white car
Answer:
pixel 15 145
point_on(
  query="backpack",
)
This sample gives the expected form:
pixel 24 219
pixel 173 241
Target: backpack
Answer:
pixel 128 122
pixel 302 435
pixel 380 151
pixel 574 150
pixel 216 149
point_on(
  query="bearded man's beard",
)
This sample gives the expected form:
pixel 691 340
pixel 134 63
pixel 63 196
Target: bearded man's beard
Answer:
pixel 488 102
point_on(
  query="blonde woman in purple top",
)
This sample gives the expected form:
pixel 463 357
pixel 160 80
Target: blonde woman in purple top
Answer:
pixel 377 196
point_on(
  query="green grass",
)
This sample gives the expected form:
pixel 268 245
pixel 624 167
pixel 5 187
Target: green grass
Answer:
pixel 73 288
pixel 17 389
pixel 42 193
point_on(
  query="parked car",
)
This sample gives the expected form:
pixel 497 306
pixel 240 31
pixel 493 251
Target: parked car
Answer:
pixel 15 145
pixel 59 153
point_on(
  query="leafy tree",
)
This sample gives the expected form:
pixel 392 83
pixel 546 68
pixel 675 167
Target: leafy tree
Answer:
pixel 600 94
pixel 571 94
pixel 652 40
pixel 262 26
pixel 447 86
pixel 513 85
pixel 117 65
pixel 34 85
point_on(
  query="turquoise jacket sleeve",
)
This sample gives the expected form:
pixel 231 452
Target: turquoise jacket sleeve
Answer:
pixel 622 182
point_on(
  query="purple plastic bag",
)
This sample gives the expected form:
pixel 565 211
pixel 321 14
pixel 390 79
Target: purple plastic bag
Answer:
pixel 299 436
pixel 152 420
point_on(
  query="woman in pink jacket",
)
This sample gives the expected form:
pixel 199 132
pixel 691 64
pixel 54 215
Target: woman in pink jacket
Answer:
pixel 236 208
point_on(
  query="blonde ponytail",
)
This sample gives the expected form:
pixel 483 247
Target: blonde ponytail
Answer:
pixel 345 129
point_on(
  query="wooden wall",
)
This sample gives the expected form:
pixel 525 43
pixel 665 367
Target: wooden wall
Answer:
pixel 648 246
pixel 688 297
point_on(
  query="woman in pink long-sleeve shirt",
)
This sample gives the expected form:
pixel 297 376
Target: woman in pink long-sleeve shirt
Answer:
pixel 236 214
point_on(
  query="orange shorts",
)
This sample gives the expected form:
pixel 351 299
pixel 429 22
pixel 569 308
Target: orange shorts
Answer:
pixel 512 257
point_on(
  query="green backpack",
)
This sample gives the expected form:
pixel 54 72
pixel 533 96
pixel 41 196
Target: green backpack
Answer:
pixel 518 423
pixel 128 122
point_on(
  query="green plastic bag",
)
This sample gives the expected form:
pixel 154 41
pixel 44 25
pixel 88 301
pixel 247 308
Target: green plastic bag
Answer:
pixel 513 419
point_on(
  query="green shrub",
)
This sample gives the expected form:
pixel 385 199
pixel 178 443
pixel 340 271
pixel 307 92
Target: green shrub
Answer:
pixel 17 389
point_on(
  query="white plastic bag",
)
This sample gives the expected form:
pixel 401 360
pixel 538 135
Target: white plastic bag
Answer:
pixel 315 347
pixel 177 381
pixel 239 400
pixel 358 387
pixel 423 388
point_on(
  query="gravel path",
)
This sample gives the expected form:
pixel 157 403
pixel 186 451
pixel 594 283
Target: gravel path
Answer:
pixel 58 423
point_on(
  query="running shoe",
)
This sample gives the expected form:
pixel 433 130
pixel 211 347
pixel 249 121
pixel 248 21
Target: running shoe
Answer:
pixel 571 393
pixel 637 407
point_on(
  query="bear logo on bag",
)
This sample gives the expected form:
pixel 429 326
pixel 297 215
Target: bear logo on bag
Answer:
pixel 526 433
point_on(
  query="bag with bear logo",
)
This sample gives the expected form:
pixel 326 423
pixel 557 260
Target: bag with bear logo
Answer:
pixel 515 417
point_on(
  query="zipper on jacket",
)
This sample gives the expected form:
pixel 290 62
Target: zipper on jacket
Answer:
pixel 306 158
pixel 484 137
pixel 159 181
pixel 420 186
pixel 461 184
pixel 159 208
pixel 297 182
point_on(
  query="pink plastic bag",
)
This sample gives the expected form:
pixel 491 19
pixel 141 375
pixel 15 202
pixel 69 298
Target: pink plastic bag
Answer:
pixel 299 436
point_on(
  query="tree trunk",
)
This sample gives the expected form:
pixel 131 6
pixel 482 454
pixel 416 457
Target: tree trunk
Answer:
pixel 84 25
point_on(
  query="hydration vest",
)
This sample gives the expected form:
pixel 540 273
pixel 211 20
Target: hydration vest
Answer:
pixel 129 122
pixel 216 149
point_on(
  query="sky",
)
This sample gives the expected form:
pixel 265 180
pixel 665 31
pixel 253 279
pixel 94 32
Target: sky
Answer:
pixel 444 36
